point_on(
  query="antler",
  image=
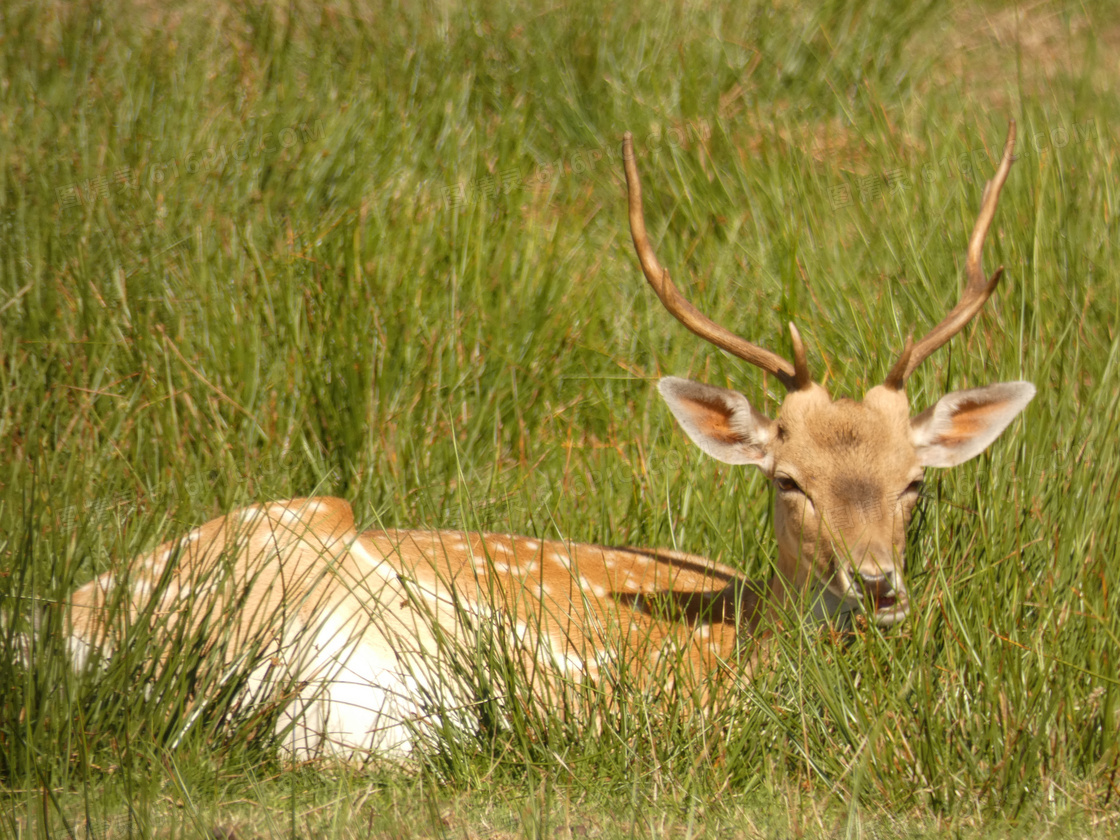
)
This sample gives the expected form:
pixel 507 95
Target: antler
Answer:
pixel 978 290
pixel 794 377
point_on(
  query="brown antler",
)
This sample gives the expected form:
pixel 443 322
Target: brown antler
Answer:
pixel 794 377
pixel 979 288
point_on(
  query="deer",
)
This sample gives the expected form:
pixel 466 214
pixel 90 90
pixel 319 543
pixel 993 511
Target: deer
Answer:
pixel 354 622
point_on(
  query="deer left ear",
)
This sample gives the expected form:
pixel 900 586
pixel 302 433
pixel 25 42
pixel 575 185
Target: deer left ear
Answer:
pixel 963 424
pixel 721 422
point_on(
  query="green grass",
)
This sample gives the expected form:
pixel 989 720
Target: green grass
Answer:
pixel 382 253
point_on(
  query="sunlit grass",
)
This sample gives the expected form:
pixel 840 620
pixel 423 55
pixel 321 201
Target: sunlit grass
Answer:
pixel 380 253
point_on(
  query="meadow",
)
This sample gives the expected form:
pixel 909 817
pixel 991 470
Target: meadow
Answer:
pixel 380 251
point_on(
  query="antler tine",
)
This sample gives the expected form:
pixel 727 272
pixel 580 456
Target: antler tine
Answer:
pixel 802 377
pixel 675 302
pixel 979 288
pixel 896 379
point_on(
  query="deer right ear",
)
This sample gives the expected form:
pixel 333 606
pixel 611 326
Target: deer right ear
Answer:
pixel 962 424
pixel 721 422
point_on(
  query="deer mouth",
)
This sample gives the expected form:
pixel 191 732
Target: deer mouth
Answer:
pixel 883 603
pixel 890 609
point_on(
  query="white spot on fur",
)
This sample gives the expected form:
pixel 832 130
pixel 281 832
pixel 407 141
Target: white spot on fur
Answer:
pixel 247 516
pixel 501 548
pixel 563 559
pixel 501 568
pixel 595 589
pixel 604 656
pixel 703 631
pixel 531 545
pixel 479 608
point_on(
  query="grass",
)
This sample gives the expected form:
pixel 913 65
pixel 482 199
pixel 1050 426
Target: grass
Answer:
pixel 381 252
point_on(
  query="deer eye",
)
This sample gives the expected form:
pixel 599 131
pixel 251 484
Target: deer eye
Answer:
pixel 785 484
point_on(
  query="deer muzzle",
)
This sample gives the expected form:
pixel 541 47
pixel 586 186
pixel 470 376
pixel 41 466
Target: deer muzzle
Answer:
pixel 883 596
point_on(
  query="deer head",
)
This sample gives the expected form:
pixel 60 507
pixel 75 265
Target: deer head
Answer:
pixel 846 474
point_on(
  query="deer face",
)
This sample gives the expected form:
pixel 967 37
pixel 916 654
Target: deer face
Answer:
pixel 846 477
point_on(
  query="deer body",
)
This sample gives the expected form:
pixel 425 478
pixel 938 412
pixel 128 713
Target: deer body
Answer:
pixel 354 624
pixel 349 618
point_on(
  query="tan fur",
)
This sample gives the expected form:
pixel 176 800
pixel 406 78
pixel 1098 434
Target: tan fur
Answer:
pixel 270 578
pixel 854 462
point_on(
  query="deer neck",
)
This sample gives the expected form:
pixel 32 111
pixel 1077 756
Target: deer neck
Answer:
pixel 810 602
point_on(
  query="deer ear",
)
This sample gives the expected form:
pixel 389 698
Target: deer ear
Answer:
pixel 720 422
pixel 962 424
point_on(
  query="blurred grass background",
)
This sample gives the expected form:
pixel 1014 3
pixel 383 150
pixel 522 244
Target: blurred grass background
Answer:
pixel 380 251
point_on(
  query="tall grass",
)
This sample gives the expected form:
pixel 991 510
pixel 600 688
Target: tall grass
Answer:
pixel 381 252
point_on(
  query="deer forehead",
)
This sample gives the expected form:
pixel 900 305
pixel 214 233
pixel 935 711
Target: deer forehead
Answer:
pixel 853 451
